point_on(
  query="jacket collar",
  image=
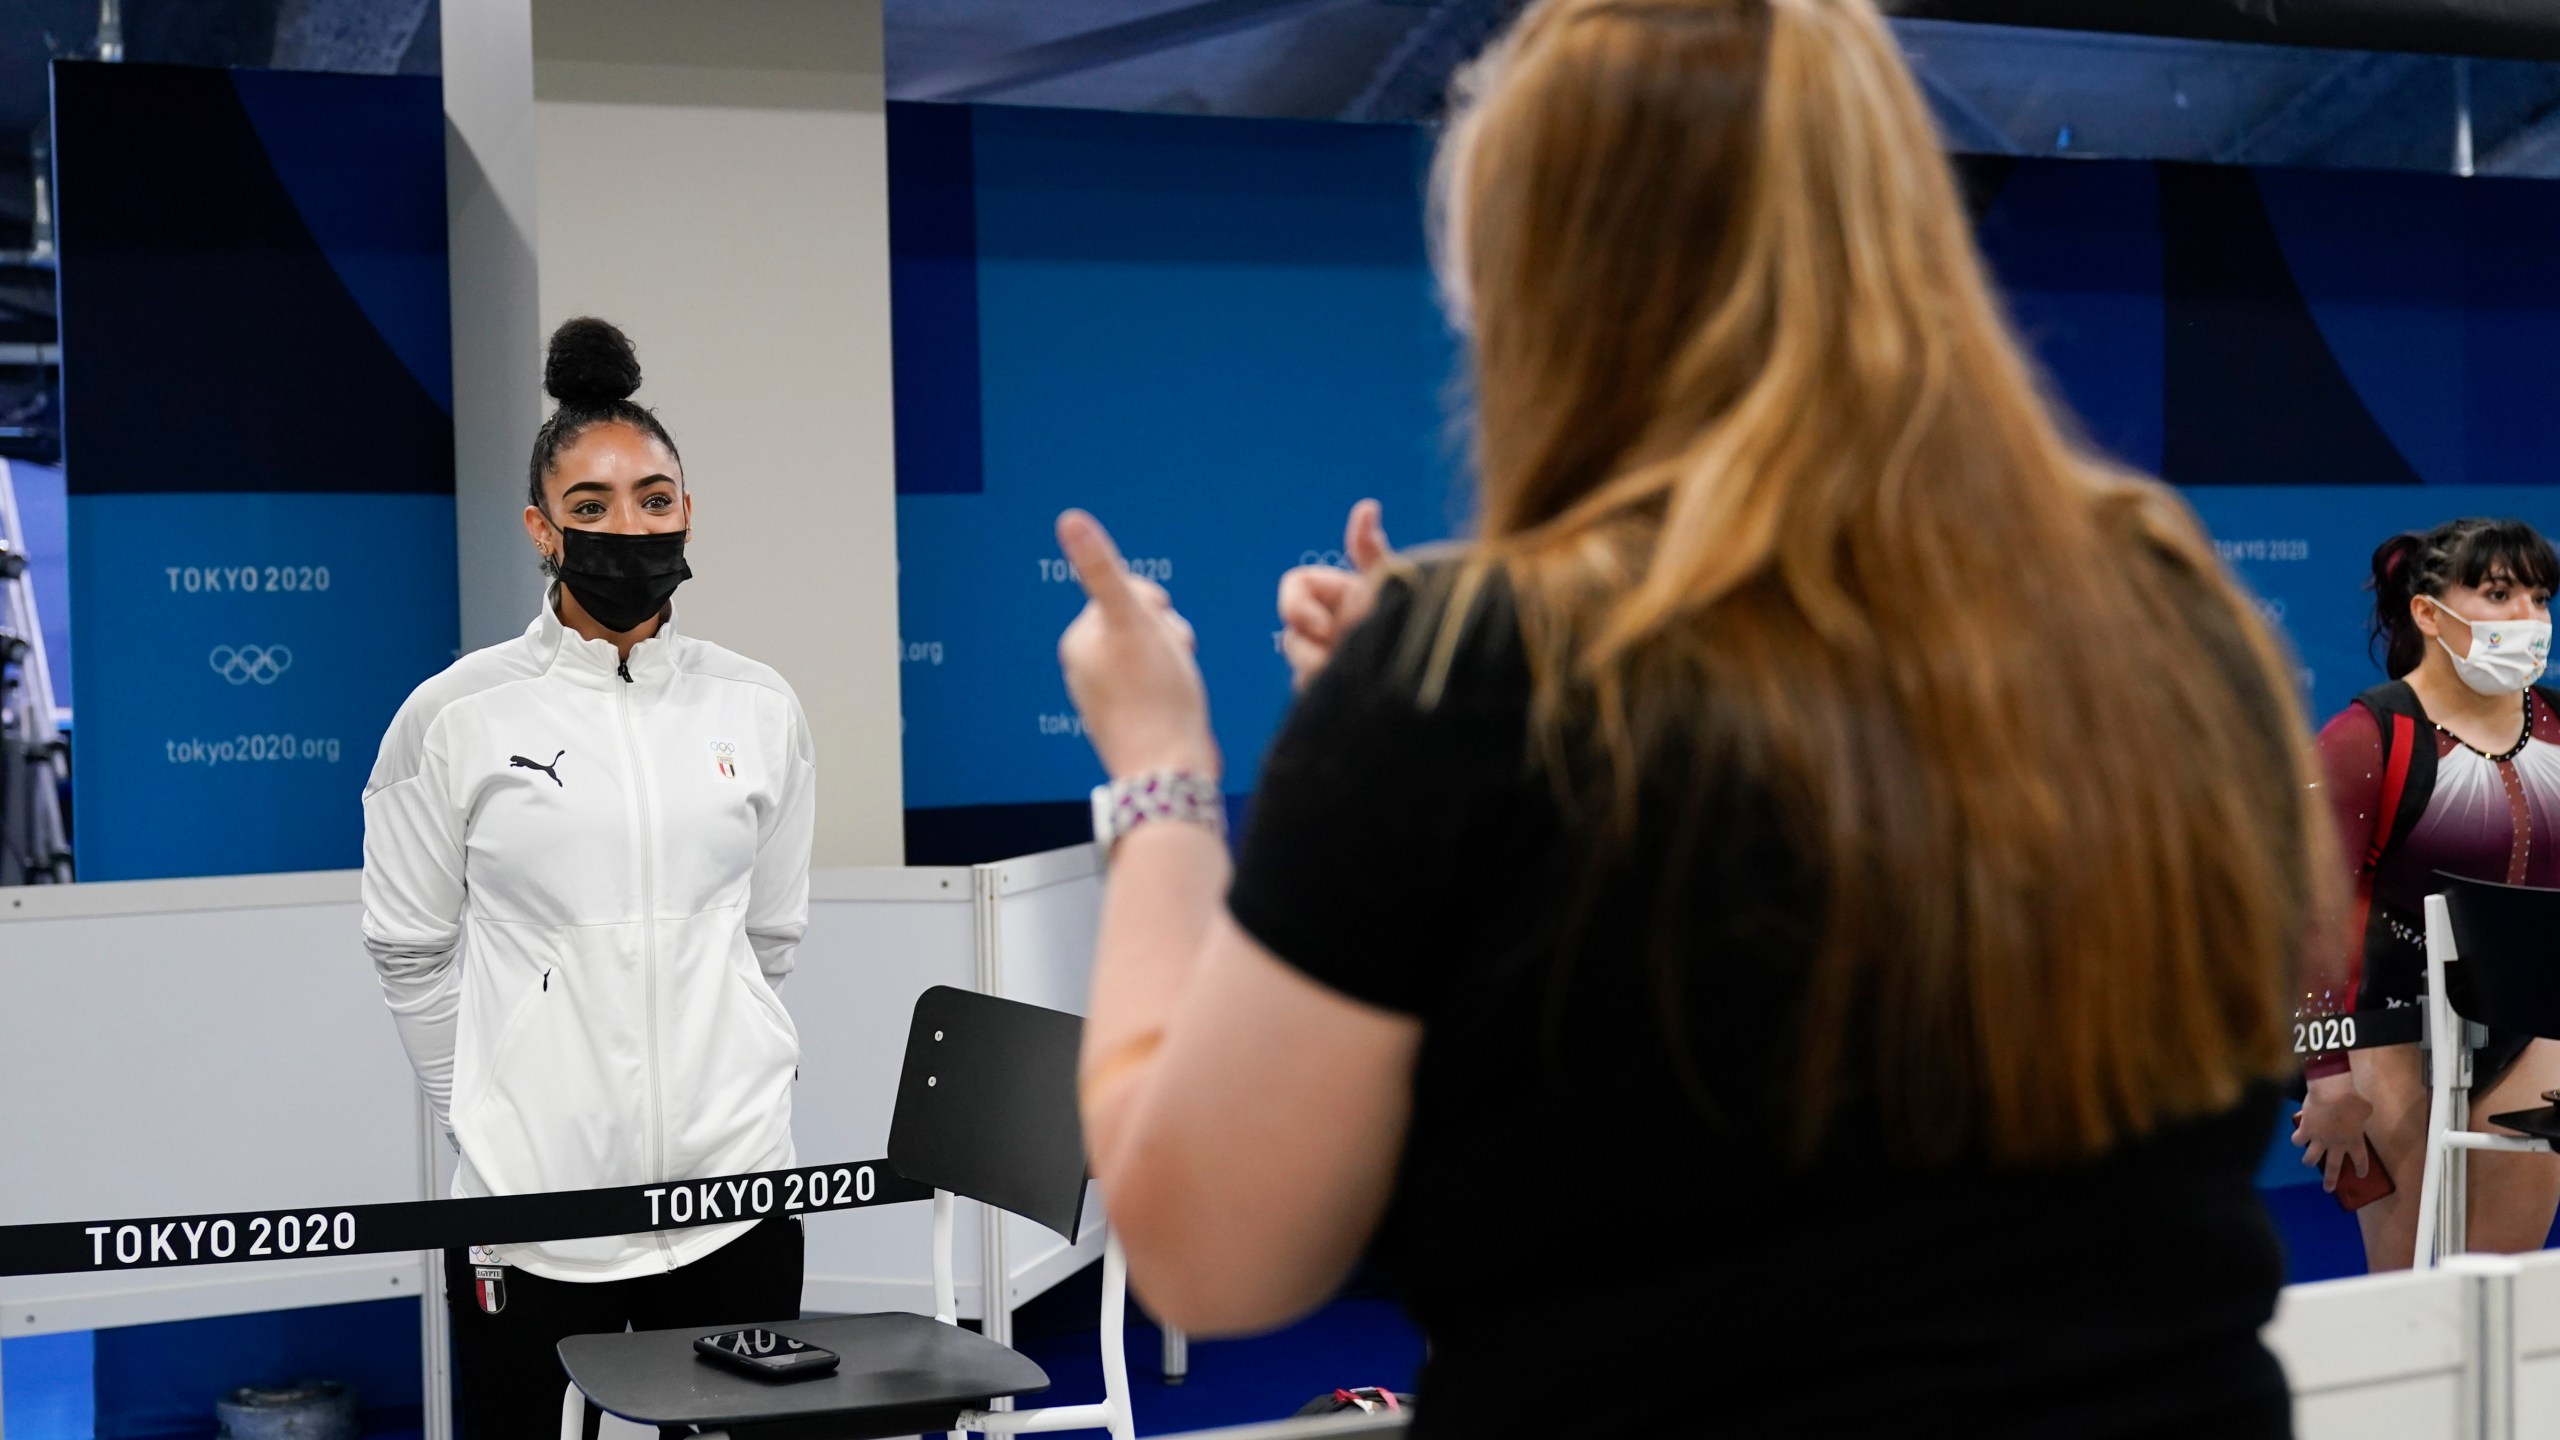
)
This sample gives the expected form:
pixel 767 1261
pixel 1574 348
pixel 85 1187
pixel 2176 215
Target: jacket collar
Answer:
pixel 595 663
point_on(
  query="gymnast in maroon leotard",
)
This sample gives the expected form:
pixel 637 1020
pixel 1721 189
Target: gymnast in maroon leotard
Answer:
pixel 2463 612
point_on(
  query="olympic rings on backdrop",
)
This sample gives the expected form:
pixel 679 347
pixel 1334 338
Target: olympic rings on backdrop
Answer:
pixel 1330 559
pixel 262 663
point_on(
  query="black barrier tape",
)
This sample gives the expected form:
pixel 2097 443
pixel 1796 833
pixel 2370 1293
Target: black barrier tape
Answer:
pixel 2363 1030
pixel 304 1231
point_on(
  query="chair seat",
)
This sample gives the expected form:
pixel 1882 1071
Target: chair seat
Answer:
pixel 2542 1124
pixel 892 1362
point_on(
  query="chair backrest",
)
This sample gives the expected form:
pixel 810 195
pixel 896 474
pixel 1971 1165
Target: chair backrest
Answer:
pixel 2505 936
pixel 987 1105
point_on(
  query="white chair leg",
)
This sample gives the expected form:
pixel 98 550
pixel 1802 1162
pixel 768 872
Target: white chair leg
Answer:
pixel 2432 1185
pixel 573 1413
pixel 1176 1364
pixel 946 1292
pixel 1115 1351
pixel 2448 1101
pixel 2453 1218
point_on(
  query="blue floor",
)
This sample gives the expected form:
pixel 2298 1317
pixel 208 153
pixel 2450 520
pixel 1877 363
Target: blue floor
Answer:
pixel 45 1387
pixel 46 1381
pixel 1359 1340
pixel 2321 1241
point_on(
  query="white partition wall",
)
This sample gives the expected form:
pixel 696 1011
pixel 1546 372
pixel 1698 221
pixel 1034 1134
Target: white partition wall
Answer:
pixel 221 1045
pixel 2535 1323
pixel 2385 1357
pixel 877 939
pixel 180 1046
pixel 200 1045
pixel 1037 916
pixel 1041 912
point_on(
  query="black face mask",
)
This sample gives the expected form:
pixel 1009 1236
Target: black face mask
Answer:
pixel 622 580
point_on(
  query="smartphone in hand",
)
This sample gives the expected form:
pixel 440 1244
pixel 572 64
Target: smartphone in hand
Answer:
pixel 2356 1191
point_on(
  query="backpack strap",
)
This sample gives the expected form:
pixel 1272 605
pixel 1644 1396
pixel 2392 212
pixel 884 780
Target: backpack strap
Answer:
pixel 2399 742
pixel 2408 781
pixel 2409 768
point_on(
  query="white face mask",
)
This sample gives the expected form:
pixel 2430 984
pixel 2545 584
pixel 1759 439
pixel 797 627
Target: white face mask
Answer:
pixel 2506 655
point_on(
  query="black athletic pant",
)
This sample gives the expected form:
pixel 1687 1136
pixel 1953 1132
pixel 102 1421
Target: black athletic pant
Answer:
pixel 507 1365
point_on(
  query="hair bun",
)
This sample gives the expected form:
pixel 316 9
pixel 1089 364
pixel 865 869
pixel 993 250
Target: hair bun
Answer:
pixel 591 363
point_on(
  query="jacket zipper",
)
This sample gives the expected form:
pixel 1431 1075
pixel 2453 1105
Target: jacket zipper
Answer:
pixel 648 935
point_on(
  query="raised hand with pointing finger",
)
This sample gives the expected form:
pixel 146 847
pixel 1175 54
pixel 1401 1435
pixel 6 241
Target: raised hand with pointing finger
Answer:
pixel 1319 604
pixel 1129 664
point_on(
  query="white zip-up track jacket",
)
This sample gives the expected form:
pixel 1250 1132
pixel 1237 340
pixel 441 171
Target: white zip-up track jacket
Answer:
pixel 583 880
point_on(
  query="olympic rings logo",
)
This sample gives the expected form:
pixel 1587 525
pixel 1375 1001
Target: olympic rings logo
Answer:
pixel 263 663
pixel 1330 559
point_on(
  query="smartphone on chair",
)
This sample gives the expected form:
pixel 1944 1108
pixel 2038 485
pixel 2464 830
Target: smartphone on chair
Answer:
pixel 766 1354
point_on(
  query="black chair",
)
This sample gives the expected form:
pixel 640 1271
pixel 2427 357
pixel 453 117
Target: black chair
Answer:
pixel 2498 941
pixel 987 1109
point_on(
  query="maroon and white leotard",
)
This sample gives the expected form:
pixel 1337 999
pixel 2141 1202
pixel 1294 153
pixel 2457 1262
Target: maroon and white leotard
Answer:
pixel 2490 817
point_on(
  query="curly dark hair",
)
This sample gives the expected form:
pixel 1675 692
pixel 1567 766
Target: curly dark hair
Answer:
pixel 2430 562
pixel 593 371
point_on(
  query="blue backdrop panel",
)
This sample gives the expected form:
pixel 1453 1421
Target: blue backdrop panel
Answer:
pixel 1216 337
pixel 2441 304
pixel 259 452
pixel 241 656
pixel 211 340
pixel 2308 555
pixel 2078 250
pixel 933 299
pixel 1215 333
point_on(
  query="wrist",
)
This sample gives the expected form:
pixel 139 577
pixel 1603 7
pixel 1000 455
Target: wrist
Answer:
pixel 1158 799
pixel 1198 760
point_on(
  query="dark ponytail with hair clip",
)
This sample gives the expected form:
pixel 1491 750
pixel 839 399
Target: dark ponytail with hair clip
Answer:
pixel 593 371
pixel 2430 562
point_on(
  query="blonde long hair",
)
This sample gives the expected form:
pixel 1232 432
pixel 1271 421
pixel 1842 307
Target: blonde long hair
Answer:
pixel 1776 490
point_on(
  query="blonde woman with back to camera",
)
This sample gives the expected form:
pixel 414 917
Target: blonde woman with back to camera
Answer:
pixel 1789 929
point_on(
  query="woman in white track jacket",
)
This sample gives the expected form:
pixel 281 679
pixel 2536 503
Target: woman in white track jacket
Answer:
pixel 586 867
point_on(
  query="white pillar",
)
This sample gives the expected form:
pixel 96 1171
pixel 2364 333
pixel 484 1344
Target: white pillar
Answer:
pixel 714 179
pixel 497 339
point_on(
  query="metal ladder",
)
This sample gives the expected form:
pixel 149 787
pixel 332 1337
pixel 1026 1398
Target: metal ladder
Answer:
pixel 35 760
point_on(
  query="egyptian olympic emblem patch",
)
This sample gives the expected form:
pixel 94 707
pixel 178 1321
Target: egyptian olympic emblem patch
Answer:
pixel 724 758
pixel 488 1280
